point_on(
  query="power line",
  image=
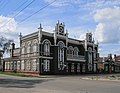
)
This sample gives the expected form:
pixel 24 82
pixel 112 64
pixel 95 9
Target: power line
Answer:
pixel 21 5
pixel 18 13
pixel 36 12
pixel 4 4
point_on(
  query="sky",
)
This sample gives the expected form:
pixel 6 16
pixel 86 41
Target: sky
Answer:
pixel 100 17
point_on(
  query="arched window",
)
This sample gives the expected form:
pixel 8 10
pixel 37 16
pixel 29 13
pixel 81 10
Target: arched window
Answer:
pixel 90 59
pixel 46 46
pixel 61 55
pixel 28 47
pixel 23 50
pixel 75 52
pixel 46 65
pixel 70 50
pixel 35 48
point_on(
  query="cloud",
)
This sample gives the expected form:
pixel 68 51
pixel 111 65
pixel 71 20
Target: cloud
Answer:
pixel 108 27
pixel 7 24
pixel 59 3
pixel 86 4
pixel 8 29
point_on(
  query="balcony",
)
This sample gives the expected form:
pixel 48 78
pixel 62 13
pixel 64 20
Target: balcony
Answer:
pixel 75 57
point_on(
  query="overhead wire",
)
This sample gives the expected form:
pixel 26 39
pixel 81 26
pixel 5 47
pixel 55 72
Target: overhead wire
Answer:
pixel 18 13
pixel 37 11
pixel 3 4
pixel 21 5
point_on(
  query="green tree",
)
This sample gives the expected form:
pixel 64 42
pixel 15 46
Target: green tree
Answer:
pixel 4 47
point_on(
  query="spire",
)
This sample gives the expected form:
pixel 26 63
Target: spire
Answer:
pixel 58 22
pixel 66 32
pixel 40 27
pixel 20 35
pixel 93 40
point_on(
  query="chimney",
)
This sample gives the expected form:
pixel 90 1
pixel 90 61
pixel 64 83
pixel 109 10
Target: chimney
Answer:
pixel 13 46
pixel 115 57
pixel 12 49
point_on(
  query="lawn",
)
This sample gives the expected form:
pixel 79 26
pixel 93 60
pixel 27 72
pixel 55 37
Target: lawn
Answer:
pixel 13 74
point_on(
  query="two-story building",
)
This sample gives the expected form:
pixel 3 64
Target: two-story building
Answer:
pixel 53 53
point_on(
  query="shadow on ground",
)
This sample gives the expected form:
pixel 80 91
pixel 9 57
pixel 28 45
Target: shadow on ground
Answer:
pixel 15 83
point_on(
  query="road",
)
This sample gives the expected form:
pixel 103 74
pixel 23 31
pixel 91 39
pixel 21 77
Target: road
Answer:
pixel 55 84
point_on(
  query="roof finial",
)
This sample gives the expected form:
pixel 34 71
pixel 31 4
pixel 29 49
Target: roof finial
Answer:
pixel 20 35
pixel 58 22
pixel 40 27
pixel 93 40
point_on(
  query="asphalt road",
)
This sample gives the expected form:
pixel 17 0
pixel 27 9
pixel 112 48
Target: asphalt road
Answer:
pixel 62 84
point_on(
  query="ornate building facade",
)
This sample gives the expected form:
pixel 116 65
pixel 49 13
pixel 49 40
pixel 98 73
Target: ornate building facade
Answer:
pixel 53 53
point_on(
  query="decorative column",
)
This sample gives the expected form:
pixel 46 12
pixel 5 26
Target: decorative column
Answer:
pixel 40 48
pixel 66 38
pixel 40 33
pixel 55 37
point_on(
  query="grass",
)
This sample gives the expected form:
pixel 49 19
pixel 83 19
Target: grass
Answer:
pixel 13 74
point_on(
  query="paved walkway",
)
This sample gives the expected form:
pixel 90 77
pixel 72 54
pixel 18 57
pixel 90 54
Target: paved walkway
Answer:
pixel 55 84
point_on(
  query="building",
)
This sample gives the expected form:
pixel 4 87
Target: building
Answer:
pixel 109 64
pixel 53 53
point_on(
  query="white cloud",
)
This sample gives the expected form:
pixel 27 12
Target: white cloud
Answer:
pixel 8 28
pixel 108 27
pixel 87 4
pixel 98 4
pixel 7 24
pixel 58 3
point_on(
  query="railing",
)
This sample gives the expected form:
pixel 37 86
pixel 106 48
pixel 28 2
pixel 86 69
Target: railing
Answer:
pixel 47 54
pixel 75 57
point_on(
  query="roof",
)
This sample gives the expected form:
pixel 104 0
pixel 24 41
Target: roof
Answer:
pixel 102 59
pixel 117 58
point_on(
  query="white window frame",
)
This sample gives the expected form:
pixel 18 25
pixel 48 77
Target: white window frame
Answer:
pixel 90 59
pixel 70 50
pixel 61 55
pixel 46 47
pixel 46 65
pixel 76 50
pixel 28 49
pixel 35 48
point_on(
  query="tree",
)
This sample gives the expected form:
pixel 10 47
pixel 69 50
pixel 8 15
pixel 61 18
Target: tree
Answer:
pixel 4 47
pixel 5 44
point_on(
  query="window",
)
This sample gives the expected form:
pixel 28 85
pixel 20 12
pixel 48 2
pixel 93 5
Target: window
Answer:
pixel 46 65
pixel 70 50
pixel 37 65
pixel 61 55
pixel 33 65
pixel 28 49
pixel 18 65
pixel 76 50
pixel 90 59
pixel 22 65
pixel 46 45
pixel 23 50
pixel 78 67
pixel 72 67
pixel 35 48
